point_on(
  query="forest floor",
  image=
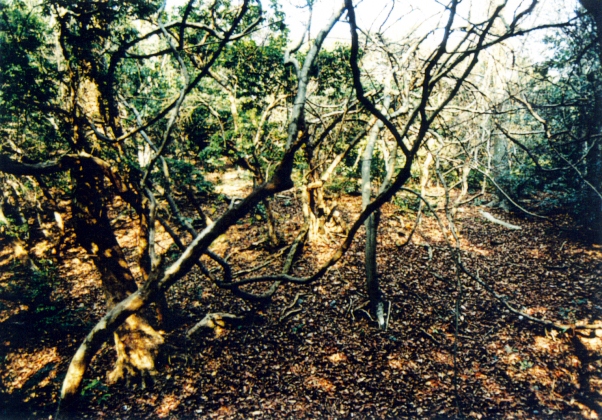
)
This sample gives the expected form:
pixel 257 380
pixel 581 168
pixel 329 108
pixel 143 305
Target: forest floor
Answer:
pixel 314 352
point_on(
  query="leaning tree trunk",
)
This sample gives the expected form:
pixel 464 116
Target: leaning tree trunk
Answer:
pixel 136 342
pixel 371 224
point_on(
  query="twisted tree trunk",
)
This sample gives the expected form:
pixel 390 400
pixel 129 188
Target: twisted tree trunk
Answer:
pixel 136 342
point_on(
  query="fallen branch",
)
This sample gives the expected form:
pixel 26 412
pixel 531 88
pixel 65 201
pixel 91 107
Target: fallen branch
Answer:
pixel 506 195
pixel 492 219
pixel 358 308
pixel 211 321
pixel 503 301
pixel 429 336
pixel 288 310
pixel 290 313
pixel 388 317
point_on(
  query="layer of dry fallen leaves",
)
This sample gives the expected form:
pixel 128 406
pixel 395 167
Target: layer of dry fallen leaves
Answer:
pixel 314 353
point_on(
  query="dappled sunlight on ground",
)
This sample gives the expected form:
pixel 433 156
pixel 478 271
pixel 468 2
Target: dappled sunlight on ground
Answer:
pixel 20 367
pixel 232 183
pixel 326 359
pixel 42 248
pixel 81 276
pixel 549 344
pixel 593 344
pixel 167 404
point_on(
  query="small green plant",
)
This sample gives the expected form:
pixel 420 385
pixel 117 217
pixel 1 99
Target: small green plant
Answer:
pixel 173 252
pixel 260 211
pixel 567 313
pixel 344 185
pixel 91 385
pixel 45 308
pixel 14 230
pixel 475 180
pixel 525 364
pixel 104 398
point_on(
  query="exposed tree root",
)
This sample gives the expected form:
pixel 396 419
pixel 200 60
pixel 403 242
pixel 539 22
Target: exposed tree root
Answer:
pixel 213 320
pixel 137 345
pixel 290 310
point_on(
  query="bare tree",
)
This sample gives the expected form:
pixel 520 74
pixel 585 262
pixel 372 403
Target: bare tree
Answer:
pixel 94 111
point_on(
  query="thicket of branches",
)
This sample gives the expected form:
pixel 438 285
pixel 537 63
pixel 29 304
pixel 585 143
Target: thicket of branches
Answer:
pixel 106 99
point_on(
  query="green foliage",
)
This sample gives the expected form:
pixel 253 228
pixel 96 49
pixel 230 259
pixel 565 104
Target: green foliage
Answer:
pixel 89 26
pixel 203 131
pixel 260 212
pixel 567 314
pixel 564 91
pixel 405 205
pixel 145 84
pixel 475 180
pixel 91 386
pixel 27 74
pixel 211 157
pixel 185 173
pixel 13 229
pixel 342 184
pixel 333 72
pixel 257 70
pixel 346 180
pixel 520 181
pixel 33 287
pixel 29 80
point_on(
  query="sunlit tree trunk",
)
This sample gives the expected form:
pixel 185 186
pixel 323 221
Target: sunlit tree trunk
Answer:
pixel 136 342
pixel 318 212
pixel 371 224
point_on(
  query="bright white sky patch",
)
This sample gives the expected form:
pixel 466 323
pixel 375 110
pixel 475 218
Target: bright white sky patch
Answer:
pixel 397 19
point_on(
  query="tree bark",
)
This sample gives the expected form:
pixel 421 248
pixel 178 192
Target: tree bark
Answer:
pixel 162 279
pixel 136 342
pixel 315 209
pixel 271 224
pixel 594 162
pixel 371 224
